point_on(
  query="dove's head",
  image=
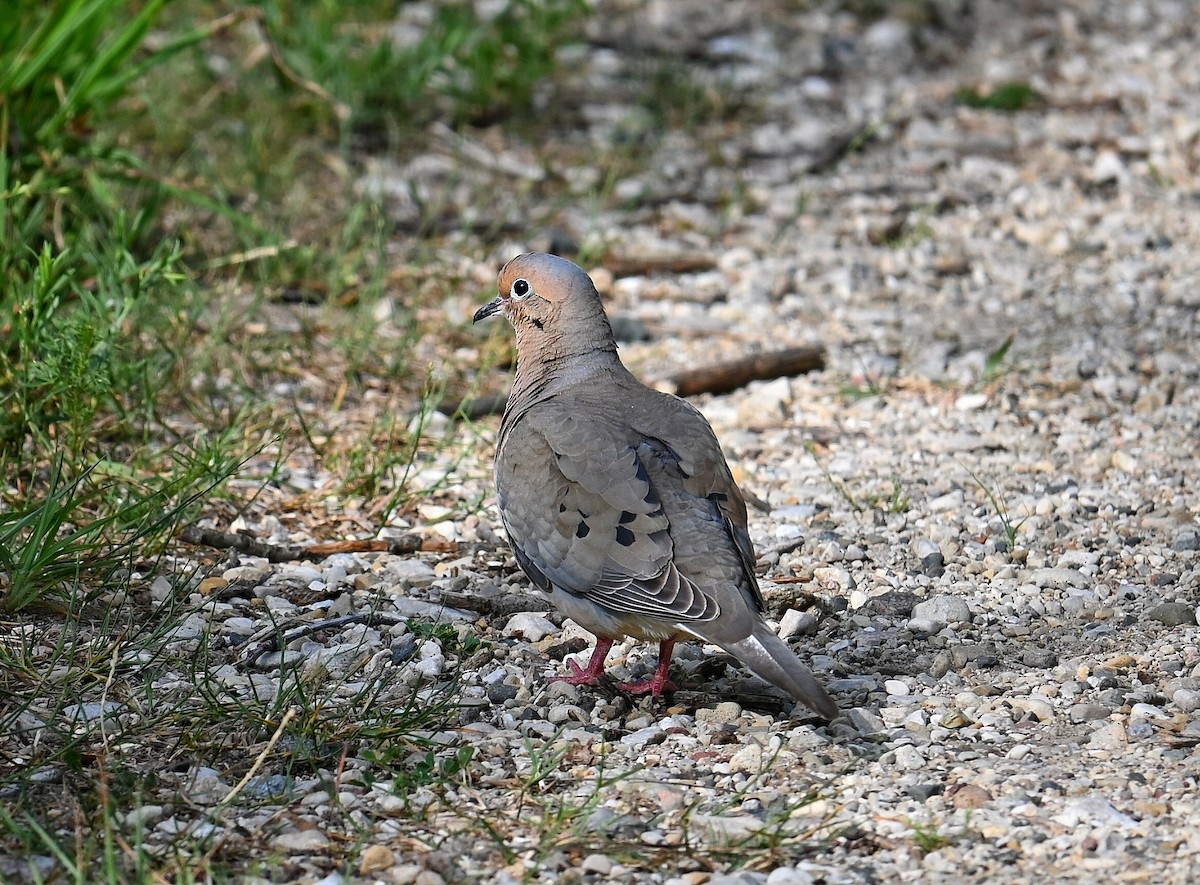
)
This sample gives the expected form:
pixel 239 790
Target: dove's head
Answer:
pixel 553 305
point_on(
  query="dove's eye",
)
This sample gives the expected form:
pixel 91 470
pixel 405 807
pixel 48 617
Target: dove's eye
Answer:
pixel 520 289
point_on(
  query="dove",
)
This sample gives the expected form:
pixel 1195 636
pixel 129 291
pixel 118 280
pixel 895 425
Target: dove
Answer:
pixel 616 498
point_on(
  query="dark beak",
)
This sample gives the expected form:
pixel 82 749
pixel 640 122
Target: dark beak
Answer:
pixel 488 309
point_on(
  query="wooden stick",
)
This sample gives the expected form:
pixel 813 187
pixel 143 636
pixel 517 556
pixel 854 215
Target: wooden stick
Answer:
pixel 283 553
pixel 644 265
pixel 724 377
pixel 718 378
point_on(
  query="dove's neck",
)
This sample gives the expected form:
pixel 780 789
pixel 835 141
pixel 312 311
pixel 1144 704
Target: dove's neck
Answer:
pixel 547 365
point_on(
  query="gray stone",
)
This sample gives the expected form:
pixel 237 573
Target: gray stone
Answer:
pixel 1173 614
pixel 1188 539
pixel 943 610
pixel 1040 658
pixel 1089 712
pixel 923 792
pixel 530 625
pixel 1186 700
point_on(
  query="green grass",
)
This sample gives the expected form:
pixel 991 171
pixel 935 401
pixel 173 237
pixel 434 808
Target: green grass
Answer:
pixel 1009 525
pixel 192 291
pixel 928 838
pixel 1007 97
pixel 894 500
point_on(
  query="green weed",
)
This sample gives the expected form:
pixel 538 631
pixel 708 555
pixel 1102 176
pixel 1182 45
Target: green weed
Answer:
pixel 1007 97
pixel 928 838
pixel 1010 525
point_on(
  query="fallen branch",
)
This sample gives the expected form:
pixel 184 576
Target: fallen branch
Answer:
pixel 717 378
pixel 283 553
pixel 272 638
pixel 495 606
pixel 632 265
pixel 724 377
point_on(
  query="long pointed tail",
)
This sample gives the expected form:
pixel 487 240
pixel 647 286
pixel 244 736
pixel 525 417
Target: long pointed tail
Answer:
pixel 770 658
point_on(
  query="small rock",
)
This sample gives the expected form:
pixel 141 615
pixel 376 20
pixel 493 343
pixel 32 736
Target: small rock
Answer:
pixel 1172 614
pixel 91 711
pixel 212 585
pixel 933 565
pixel 895 687
pixel 529 625
pixel 375 858
pixel 248 575
pixel 499 692
pixel 301 841
pixel 240 626
pixel 143 816
pixel 797 623
pixel 942 610
pixel 969 796
pixel 1039 658
pixel 411 572
pixel 405 873
pixel 596 863
pixel 1187 539
pixel 923 792
pixel 789 876
pixel 864 721
pixel 642 735
pixel 1186 700
pixel 1108 167
pixel 1148 711
pixel 1056 577
pixel 949 501
pixel 748 759
pixel 905 757
pixel 561 713
pixel 1089 712
pixel 1093 811
pixel 1124 461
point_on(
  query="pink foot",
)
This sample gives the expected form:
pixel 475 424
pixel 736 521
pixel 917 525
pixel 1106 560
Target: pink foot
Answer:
pixel 659 682
pixel 589 675
pixel 652 686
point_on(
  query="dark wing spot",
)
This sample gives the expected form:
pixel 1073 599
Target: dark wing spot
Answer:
pixel 538 323
pixel 626 517
pixel 582 530
pixel 624 536
pixel 562 508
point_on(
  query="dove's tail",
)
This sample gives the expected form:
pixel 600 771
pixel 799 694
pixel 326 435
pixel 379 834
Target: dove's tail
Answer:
pixel 769 658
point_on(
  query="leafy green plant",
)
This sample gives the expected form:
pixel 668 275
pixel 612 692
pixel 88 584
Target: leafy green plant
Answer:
pixel 72 357
pixel 928 838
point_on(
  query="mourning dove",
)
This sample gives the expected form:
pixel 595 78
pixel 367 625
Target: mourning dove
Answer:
pixel 616 498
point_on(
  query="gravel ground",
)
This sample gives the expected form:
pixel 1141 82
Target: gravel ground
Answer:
pixel 989 553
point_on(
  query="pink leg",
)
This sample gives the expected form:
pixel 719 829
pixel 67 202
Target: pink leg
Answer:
pixel 591 674
pixel 658 683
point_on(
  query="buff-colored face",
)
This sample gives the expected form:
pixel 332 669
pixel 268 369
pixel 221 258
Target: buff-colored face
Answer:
pixel 534 288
